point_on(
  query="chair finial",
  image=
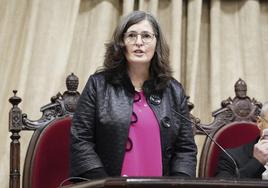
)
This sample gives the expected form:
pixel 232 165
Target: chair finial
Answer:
pixel 240 88
pixel 15 100
pixel 72 82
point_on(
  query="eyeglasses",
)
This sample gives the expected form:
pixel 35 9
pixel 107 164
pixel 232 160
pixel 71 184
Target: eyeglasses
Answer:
pixel 264 119
pixel 146 37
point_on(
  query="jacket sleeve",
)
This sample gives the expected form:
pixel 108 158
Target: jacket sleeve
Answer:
pixel 184 160
pixel 83 157
pixel 226 168
pixel 252 168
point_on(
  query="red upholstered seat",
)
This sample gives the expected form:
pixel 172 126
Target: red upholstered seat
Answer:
pixel 48 165
pixel 229 136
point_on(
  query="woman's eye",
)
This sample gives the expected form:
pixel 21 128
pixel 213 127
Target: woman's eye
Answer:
pixel 131 35
pixel 146 35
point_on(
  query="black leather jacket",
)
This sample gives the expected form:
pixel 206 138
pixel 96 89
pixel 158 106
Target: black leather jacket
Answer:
pixel 101 123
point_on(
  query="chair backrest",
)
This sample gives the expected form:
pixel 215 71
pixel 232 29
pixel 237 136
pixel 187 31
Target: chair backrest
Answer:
pixel 47 159
pixel 229 136
pixel 234 125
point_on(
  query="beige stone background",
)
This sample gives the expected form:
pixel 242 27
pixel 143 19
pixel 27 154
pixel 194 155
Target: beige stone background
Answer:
pixel 212 43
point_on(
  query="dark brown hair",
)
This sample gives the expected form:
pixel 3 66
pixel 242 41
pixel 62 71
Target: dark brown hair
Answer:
pixel 115 64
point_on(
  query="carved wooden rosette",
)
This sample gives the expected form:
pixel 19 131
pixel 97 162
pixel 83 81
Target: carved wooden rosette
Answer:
pixel 61 105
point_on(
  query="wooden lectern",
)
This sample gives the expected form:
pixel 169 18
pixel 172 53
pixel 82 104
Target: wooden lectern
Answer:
pixel 169 182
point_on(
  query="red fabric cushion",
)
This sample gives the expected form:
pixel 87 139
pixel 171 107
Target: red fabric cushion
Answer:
pixel 230 136
pixel 51 161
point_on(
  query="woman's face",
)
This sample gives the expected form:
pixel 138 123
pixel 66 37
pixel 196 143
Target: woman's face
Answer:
pixel 140 43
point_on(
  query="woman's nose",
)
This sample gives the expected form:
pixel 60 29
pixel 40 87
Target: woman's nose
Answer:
pixel 139 40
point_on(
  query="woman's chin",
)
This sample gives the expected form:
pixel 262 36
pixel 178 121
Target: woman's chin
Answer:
pixel 139 61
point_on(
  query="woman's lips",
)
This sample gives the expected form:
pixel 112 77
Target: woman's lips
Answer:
pixel 138 52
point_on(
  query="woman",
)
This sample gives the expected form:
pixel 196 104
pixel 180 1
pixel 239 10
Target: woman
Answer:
pixel 125 124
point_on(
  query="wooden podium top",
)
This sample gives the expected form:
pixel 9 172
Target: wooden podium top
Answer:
pixel 169 182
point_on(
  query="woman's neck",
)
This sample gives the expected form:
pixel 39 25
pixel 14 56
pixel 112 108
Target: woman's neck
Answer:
pixel 138 74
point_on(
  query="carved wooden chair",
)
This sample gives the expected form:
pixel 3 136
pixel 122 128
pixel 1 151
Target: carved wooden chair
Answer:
pixel 47 160
pixel 234 124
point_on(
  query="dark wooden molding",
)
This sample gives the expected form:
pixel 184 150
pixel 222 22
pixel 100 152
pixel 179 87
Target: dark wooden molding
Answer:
pixel 169 182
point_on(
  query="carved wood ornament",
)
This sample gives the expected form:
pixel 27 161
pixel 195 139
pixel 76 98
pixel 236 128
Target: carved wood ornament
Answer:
pixel 239 108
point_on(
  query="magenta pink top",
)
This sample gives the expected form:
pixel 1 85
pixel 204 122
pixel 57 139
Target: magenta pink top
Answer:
pixel 143 151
